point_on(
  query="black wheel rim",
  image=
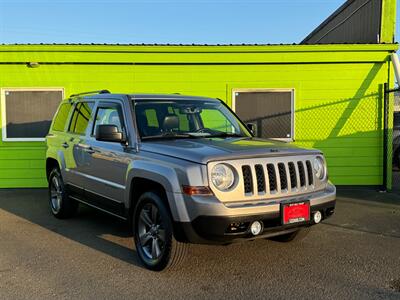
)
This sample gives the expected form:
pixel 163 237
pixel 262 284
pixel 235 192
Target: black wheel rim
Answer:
pixel 55 194
pixel 151 233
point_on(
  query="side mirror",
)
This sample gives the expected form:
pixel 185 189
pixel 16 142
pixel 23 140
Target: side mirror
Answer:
pixel 109 133
pixel 252 127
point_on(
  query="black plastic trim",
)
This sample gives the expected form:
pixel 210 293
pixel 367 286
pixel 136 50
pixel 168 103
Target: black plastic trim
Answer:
pixel 212 229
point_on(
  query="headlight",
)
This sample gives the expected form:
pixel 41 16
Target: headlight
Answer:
pixel 319 168
pixel 222 177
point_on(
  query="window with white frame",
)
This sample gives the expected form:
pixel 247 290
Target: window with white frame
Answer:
pixel 27 113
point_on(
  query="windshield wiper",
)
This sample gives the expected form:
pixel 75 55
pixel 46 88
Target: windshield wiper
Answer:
pixel 167 135
pixel 174 135
pixel 226 134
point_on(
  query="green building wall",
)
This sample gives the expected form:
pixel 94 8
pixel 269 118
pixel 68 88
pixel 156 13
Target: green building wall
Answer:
pixel 338 92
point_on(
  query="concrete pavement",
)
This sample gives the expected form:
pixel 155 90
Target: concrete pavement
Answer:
pixel 355 254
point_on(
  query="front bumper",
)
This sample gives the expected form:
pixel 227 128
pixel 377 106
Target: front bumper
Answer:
pixel 214 227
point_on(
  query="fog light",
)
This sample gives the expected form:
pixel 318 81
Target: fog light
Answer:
pixel 256 227
pixel 317 217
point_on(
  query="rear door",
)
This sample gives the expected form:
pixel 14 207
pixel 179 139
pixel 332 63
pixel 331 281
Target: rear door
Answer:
pixel 74 147
pixel 58 137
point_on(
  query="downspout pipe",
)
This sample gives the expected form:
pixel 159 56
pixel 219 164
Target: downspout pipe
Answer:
pixel 387 90
pixel 396 67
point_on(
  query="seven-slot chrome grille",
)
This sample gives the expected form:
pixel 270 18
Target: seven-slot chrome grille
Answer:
pixel 280 177
pixel 269 178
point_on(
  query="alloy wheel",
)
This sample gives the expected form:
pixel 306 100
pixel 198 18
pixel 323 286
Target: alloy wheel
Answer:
pixel 151 232
pixel 55 194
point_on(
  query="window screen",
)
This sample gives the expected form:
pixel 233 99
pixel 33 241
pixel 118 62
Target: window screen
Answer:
pixel 29 113
pixel 270 111
pixel 80 117
pixel 61 118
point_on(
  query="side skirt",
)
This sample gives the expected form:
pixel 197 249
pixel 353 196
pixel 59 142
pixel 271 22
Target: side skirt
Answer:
pixel 97 201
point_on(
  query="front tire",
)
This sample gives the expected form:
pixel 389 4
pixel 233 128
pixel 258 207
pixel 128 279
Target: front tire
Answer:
pixel 61 205
pixel 295 236
pixel 153 234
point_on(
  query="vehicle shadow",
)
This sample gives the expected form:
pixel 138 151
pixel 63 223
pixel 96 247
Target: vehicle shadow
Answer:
pixel 110 235
pixel 89 227
pixel 113 237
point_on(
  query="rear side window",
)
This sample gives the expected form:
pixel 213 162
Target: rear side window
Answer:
pixel 61 117
pixel 80 117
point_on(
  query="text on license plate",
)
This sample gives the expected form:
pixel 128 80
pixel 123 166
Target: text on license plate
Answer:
pixel 296 212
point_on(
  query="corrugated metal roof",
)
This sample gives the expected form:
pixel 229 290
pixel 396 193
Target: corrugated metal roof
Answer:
pixel 354 21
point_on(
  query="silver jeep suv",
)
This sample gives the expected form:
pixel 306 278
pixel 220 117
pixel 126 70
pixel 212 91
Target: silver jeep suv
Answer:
pixel 182 170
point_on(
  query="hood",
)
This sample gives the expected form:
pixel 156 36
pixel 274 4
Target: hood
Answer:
pixel 204 150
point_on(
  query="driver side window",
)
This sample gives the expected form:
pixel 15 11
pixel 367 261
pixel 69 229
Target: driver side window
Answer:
pixel 108 116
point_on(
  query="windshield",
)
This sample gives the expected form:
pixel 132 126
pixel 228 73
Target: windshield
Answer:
pixel 186 119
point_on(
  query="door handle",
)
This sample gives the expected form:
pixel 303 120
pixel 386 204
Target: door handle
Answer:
pixel 65 145
pixel 87 148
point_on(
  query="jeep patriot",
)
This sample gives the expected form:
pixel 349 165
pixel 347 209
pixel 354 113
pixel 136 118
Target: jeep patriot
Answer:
pixel 181 170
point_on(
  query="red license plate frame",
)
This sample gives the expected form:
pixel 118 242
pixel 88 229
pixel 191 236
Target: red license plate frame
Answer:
pixel 295 212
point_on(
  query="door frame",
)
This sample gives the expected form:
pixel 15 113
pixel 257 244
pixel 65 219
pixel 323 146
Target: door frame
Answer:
pixel 274 90
pixel 113 190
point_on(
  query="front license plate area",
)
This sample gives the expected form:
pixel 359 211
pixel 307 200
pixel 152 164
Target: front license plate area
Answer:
pixel 295 212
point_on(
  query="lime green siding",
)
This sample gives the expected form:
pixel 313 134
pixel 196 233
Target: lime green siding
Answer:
pixel 388 21
pixel 338 92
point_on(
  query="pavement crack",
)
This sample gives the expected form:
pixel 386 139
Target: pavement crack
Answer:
pixel 363 230
pixel 5 270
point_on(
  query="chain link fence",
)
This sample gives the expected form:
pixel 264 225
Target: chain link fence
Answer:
pixel 396 144
pixel 348 130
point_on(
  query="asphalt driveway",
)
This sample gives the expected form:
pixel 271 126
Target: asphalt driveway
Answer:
pixel 355 254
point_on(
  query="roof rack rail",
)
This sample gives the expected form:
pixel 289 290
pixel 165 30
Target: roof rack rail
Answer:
pixel 92 92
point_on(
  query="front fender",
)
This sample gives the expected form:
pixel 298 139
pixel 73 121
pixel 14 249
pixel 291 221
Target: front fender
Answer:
pixel 165 176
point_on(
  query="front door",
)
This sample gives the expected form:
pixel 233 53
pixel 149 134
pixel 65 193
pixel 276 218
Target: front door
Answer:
pixel 108 162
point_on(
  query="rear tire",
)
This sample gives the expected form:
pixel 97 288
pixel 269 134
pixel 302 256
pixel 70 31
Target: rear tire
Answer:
pixel 153 234
pixel 61 205
pixel 398 159
pixel 295 236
